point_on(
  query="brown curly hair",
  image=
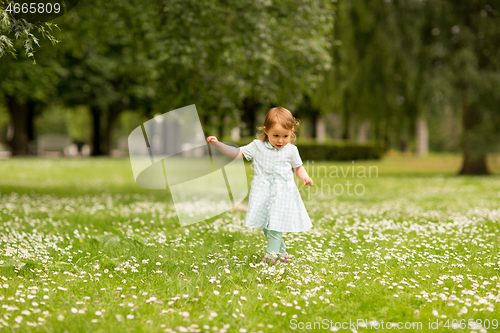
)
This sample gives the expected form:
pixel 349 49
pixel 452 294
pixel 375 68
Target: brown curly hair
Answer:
pixel 282 116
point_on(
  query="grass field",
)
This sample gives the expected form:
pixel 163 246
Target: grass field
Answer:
pixel 83 249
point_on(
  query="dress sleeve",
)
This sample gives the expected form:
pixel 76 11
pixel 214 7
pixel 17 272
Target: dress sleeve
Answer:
pixel 250 150
pixel 296 160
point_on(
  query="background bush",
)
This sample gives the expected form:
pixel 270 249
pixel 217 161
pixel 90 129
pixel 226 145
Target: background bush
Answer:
pixel 331 150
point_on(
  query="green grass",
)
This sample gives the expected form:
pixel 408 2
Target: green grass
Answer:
pixel 83 249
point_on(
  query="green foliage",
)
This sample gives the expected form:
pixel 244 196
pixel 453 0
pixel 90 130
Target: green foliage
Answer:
pixel 4 118
pixel 22 31
pixel 24 81
pixel 157 56
pixel 344 151
pixel 214 54
pixel 332 150
pixel 126 123
pixel 396 61
pixel 465 52
pixel 78 121
pixel 54 120
pixel 388 62
pixel 59 119
pixel 374 57
pixel 107 56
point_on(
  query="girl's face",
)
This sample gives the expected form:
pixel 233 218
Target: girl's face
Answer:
pixel 278 136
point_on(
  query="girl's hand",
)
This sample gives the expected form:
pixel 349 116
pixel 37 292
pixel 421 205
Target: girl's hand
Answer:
pixel 212 139
pixel 307 181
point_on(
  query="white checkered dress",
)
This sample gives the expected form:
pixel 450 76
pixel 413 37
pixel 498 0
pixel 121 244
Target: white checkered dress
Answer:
pixel 275 201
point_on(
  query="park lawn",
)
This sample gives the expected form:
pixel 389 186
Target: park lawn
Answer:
pixel 86 250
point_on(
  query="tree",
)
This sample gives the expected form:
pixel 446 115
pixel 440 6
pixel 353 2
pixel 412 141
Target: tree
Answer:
pixel 362 76
pixel 289 62
pixel 392 60
pixel 107 61
pixel 468 45
pixel 165 54
pixel 25 89
pixel 242 56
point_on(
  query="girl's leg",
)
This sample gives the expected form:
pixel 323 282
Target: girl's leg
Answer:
pixel 274 241
pixel 282 245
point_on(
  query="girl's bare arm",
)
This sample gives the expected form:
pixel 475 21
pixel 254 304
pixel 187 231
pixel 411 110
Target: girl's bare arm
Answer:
pixel 225 149
pixel 301 174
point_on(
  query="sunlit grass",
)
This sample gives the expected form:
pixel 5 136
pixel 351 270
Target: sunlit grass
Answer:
pixel 83 249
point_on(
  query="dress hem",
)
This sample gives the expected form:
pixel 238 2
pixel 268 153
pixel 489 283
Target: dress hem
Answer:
pixel 293 231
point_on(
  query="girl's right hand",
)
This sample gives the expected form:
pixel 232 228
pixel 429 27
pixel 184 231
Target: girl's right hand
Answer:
pixel 212 139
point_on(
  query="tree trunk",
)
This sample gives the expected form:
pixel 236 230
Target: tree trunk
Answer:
pixel 32 145
pixel 314 119
pixel 387 143
pixel 320 128
pixel 111 118
pixel 250 107
pixel 376 131
pixel 30 128
pixel 220 127
pixel 345 125
pixel 96 131
pixel 363 131
pixel 422 137
pixel 474 162
pixel 205 123
pixel 22 120
pixel 313 114
pixel 235 134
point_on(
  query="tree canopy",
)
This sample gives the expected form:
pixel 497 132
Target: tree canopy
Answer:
pixel 390 63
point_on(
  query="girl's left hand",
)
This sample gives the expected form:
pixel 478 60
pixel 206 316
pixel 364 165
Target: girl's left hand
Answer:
pixel 307 181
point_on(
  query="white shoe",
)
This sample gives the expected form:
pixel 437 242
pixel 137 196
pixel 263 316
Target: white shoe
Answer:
pixel 285 257
pixel 270 258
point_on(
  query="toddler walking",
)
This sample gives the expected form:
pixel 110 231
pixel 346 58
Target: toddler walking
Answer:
pixel 274 204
